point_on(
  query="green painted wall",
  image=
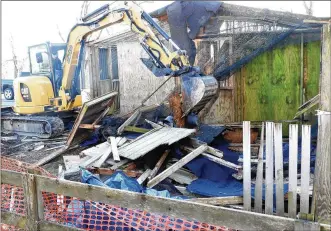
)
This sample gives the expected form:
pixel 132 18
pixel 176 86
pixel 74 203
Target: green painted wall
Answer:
pixel 270 84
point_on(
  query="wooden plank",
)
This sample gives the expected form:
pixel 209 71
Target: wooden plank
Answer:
pixel 322 184
pixel 70 161
pixel 222 162
pixel 305 169
pixel 89 126
pixel 52 156
pixel 144 176
pixel 279 169
pixel 31 201
pixel 196 143
pixel 226 217
pixel 128 122
pixel 107 152
pixel 247 164
pixel 158 164
pixel 176 166
pixel 293 171
pixel 13 219
pixel 11 178
pixel 116 156
pixel 269 179
pixel 122 141
pixel 231 200
pixel 259 176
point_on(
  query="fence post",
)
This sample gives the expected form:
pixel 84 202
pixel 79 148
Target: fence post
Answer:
pixel 31 202
pixel 269 172
pixel 247 164
pixel 322 186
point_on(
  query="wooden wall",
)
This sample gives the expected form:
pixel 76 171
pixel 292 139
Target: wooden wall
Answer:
pixel 136 81
pixel 268 88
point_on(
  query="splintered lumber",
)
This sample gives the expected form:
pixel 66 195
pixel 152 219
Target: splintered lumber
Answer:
pixel 232 200
pixel 176 166
pixel 51 156
pixel 144 176
pixel 158 164
pixel 70 161
pixel 222 162
pixel 107 151
pixel 100 148
pixel 183 176
pixel 196 143
pixel 122 141
pixel 114 149
pixel 119 164
pixel 151 140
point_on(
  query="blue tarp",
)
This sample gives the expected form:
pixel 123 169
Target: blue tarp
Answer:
pixel 118 180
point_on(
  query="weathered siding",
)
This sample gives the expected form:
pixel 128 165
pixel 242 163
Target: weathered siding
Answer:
pixel 268 88
pixel 136 81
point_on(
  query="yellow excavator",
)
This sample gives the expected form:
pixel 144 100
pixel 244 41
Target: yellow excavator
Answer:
pixel 51 92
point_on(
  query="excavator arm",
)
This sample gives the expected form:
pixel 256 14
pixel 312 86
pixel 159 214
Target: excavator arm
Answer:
pixel 162 62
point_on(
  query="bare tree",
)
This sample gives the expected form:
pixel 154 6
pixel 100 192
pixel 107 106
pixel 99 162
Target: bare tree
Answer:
pixel 309 9
pixel 84 9
pixel 59 33
pixel 14 59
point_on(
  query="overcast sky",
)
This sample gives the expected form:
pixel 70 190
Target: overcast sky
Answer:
pixel 33 22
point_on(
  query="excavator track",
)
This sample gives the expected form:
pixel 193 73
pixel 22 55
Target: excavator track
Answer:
pixel 39 126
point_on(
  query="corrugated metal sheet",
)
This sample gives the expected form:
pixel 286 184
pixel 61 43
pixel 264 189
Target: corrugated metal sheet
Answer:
pixel 152 140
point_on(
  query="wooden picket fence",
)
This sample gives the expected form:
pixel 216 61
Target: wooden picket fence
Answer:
pixel 272 140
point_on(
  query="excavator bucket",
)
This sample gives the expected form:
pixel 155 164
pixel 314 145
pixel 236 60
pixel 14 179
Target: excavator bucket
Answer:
pixel 196 92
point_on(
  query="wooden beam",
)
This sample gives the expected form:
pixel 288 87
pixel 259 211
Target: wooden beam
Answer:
pixel 322 184
pixel 176 166
pixel 136 129
pixel 31 201
pixel 51 156
pixel 158 164
pixel 144 176
pixel 114 149
pixel 232 200
pixel 13 219
pixel 247 164
pixel 226 217
pixel 89 126
pixel 12 178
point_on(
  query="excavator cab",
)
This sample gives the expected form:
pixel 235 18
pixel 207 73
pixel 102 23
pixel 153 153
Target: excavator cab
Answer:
pixel 45 60
pixel 34 92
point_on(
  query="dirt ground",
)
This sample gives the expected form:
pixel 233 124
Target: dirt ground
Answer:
pixel 25 151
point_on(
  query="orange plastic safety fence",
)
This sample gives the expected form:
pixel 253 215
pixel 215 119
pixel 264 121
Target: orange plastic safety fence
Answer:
pixel 89 215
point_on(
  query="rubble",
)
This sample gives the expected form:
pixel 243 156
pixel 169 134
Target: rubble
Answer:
pixel 151 150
